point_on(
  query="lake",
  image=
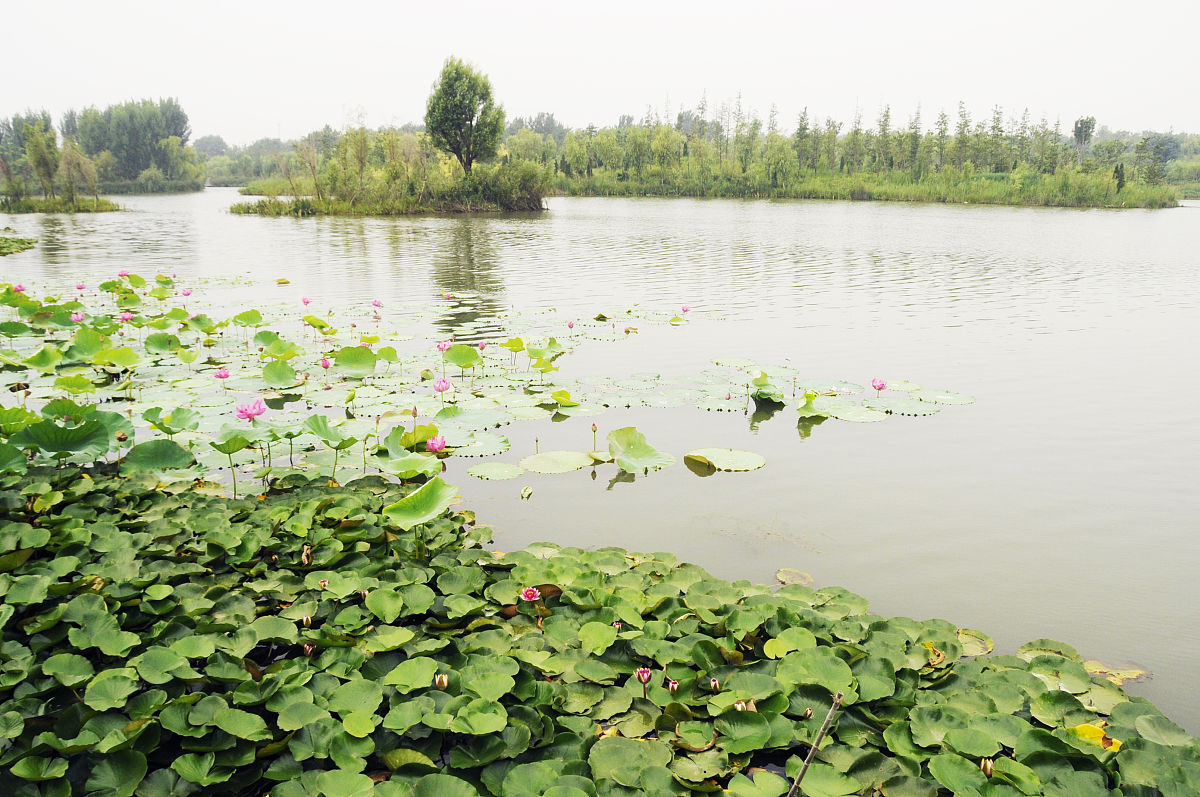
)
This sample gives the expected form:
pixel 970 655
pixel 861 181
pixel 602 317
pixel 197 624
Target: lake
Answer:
pixel 1063 504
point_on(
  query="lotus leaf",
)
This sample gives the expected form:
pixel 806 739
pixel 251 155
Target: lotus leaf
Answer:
pixel 633 454
pixel 556 461
pixel 723 459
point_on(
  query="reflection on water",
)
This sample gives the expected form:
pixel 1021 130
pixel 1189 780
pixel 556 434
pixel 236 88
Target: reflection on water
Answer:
pixel 1063 504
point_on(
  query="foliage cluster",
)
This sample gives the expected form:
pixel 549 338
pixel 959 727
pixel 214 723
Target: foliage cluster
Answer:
pixel 10 245
pixel 132 147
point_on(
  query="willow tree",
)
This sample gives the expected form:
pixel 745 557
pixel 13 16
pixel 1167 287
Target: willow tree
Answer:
pixel 461 117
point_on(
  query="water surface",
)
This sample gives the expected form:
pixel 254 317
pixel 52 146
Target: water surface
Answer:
pixel 1064 504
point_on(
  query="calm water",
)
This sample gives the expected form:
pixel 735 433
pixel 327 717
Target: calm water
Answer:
pixel 1064 504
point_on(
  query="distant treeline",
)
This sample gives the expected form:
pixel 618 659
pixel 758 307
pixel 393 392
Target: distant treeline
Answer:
pixel 1004 158
pixel 133 147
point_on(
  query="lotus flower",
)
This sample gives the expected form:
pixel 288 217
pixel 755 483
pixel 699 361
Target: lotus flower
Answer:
pixel 323 583
pixel 325 363
pixel 305 300
pixel 570 325
pixel 309 648
pixel 617 624
pixel 482 345
pixel 714 684
pixel 643 674
pixel 531 594
pixel 672 686
pixel 447 296
pixel 739 705
pixel 77 317
pixel 879 385
pixel 684 309
pixel 248 412
pixel 80 286
pixel 126 316
pixel 442 385
pixel 376 303
pixel 18 288
pixel 435 444
pixel 442 345
pixel 186 291
pixel 441 681
pixel 122 273
pixel 221 373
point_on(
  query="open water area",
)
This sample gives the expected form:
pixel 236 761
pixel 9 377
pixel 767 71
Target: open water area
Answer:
pixel 1064 503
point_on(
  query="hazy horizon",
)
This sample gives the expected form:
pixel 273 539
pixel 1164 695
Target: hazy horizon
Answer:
pixel 245 72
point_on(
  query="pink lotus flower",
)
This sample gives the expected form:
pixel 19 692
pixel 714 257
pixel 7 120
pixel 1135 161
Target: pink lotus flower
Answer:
pixel 221 373
pixel 376 303
pixel 77 317
pixel 80 286
pixel 442 345
pixel 617 624
pixel 323 583
pixel 126 316
pixel 728 396
pixel 570 325
pixel 672 686
pixel 186 291
pixel 531 594
pixel 329 387
pixel 325 363
pixel 684 309
pixel 306 300
pixel 739 705
pixel 248 412
pixel 309 648
pixel 714 684
pixel 18 288
pixel 122 273
pixel 442 385
pixel 482 345
pixel 435 444
pixel 879 385
pixel 447 296
pixel 642 674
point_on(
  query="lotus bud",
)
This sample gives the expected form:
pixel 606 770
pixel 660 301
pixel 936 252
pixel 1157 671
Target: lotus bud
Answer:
pixel 309 648
pixel 121 437
pixel 672 686
pixel 594 428
pixel 324 583
pixel 617 624
pixel 714 684
pixel 307 621
pixel 441 681
pixel 739 705
pixel 643 674
pixel 808 713
pixel 985 766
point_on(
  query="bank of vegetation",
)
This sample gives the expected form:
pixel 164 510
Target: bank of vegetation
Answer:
pixel 727 152
pixel 11 244
pixel 134 147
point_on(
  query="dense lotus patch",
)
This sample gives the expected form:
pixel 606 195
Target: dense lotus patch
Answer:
pixel 363 640
pixel 138 351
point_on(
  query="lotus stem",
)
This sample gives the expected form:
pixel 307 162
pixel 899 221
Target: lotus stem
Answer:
pixel 816 743
pixel 233 475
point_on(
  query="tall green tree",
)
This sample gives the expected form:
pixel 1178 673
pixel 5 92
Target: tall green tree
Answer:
pixel 461 117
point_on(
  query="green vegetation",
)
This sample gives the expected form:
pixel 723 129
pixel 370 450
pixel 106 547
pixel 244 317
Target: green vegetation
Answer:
pixel 10 245
pixel 393 173
pixel 135 147
pixel 319 638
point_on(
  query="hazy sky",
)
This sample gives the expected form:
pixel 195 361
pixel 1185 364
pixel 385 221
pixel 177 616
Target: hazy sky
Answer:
pixel 249 69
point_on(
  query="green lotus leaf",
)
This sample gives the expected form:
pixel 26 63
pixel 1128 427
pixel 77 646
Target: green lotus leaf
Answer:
pixel 345 783
pixel 1038 647
pixel 38 768
pixel 281 349
pixel 462 355
pixel 248 318
pixel 172 423
pixel 633 454
pixel 110 689
pixel 483 444
pixel 242 724
pixel 89 439
pixel 556 461
pixel 69 669
pixel 122 357
pixel 157 455
pixel 425 503
pixel 743 731
pixel 438 785
pixel 956 773
pixel 117 773
pixel 495 471
pixel 46 359
pixel 942 396
pixel 408 464
pixel 596 637
pixel 623 760
pixel 296 715
pixel 359 695
pixel 707 460
pixel 278 373
pixel 75 385
pixel 900 405
pixel 355 362
pixel 230 443
pixel 162 343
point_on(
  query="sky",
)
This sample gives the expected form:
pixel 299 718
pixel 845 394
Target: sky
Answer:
pixel 257 68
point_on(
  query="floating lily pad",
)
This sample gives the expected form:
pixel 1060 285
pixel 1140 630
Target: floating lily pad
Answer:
pixel 942 396
pixel 484 444
pixel 901 405
pixel 556 461
pixel 495 471
pixel 633 454
pixel 726 459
